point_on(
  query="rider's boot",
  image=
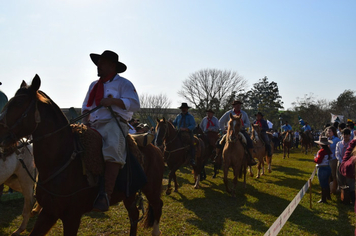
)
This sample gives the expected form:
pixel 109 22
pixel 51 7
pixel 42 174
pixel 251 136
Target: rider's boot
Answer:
pixel 251 161
pixel 102 202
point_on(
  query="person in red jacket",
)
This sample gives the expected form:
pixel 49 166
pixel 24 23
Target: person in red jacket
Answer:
pixel 324 171
pixel 347 167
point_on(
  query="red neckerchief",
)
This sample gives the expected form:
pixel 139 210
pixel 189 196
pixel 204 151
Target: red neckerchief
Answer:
pixel 97 93
pixel 210 123
pixel 259 123
pixel 238 113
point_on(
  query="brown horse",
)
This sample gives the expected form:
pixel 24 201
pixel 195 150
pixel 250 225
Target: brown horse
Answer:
pixel 260 151
pixel 176 152
pixel 306 142
pixel 210 138
pixel 63 190
pixel 287 143
pixel 233 153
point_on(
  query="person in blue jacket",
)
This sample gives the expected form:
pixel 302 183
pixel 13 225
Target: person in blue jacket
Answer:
pixel 184 122
pixel 264 128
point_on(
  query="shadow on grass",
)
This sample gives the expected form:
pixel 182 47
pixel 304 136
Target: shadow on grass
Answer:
pixel 290 170
pixel 220 208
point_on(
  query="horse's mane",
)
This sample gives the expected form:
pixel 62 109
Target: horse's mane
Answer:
pixel 44 98
pixel 230 124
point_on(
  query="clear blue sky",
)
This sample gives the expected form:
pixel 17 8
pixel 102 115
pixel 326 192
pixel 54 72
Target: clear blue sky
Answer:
pixel 304 46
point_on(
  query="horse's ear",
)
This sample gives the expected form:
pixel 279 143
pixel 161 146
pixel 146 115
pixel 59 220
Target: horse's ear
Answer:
pixel 23 84
pixel 36 83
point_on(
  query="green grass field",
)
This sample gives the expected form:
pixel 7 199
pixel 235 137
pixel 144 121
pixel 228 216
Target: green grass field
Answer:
pixel 211 211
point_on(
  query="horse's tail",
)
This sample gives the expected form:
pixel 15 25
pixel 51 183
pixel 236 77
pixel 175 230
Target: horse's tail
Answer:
pixel 149 217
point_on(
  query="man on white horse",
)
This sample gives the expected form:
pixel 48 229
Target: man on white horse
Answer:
pixel 245 124
pixel 264 128
pixel 114 91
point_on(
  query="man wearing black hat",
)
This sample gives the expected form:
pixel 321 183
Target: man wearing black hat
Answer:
pixel 245 124
pixel 264 128
pixel 114 91
pixel 210 122
pixel 184 122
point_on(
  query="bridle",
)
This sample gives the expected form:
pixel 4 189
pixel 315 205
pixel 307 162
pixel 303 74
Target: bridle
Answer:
pixel 22 117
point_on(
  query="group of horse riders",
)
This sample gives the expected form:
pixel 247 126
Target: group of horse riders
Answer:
pixel 185 122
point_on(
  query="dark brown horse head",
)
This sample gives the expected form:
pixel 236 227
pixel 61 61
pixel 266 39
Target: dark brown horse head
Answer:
pixel 234 126
pixel 161 131
pixel 20 116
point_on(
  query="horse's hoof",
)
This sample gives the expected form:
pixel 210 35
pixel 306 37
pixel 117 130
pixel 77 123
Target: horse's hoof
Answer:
pixel 176 190
pixel 269 171
pixel 214 176
pixel 257 176
pixel 196 187
pixel 251 174
pixel 169 191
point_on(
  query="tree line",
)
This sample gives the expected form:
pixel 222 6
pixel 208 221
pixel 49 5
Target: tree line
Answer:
pixel 217 89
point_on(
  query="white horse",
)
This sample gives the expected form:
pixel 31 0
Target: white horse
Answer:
pixel 15 176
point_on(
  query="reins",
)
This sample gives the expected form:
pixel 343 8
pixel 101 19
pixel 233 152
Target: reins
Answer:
pixel 72 157
pixel 171 141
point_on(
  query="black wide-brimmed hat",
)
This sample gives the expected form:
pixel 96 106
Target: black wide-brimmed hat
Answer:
pixel 259 113
pixel 236 102
pixel 209 110
pixel 184 105
pixel 323 140
pixel 112 56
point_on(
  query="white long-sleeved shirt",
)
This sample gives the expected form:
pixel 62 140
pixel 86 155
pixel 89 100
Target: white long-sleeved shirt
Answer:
pixel 215 127
pixel 226 117
pixel 121 88
pixel 340 149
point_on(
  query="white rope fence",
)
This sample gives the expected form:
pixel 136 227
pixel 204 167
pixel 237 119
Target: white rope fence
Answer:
pixel 282 219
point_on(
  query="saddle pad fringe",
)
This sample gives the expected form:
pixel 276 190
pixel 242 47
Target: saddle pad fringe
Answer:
pixel 91 143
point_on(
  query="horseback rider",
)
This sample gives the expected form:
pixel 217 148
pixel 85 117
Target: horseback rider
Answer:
pixel 236 110
pixel 185 124
pixel 210 122
pixel 307 130
pixel 264 128
pixel 306 127
pixel 114 91
pixel 286 127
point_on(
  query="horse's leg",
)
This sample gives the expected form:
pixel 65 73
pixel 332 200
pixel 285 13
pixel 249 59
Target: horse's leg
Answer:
pixel 259 168
pixel 27 192
pixel 197 179
pixel 236 174
pixel 226 182
pixel 1 189
pixel 284 151
pixel 71 223
pixel 43 224
pixel 250 170
pixel 154 211
pixel 269 164
pixel 133 214
pixel 169 186
pixel 175 182
pixel 245 171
